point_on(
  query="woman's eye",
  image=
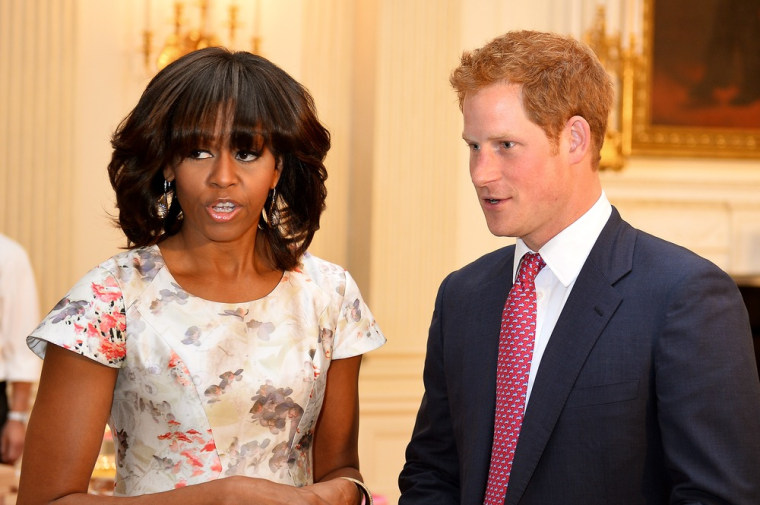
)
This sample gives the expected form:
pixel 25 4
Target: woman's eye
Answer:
pixel 199 154
pixel 247 156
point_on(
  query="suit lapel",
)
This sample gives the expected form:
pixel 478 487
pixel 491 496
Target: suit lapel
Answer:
pixel 587 311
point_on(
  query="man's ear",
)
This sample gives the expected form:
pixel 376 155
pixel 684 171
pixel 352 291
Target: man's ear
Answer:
pixel 580 138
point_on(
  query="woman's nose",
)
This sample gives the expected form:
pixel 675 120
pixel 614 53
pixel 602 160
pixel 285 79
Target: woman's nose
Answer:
pixel 223 171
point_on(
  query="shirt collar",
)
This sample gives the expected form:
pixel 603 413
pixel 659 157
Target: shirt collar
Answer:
pixel 566 253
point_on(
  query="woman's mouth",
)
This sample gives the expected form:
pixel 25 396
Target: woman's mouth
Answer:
pixel 223 207
pixel 222 211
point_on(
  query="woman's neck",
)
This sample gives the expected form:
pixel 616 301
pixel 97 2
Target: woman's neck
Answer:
pixel 222 272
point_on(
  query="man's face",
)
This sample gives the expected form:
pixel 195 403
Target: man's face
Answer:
pixel 523 182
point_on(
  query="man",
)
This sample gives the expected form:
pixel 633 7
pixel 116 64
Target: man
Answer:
pixel 19 367
pixel 640 385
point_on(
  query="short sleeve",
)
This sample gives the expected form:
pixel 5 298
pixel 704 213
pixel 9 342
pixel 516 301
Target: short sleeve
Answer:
pixel 90 320
pixel 356 330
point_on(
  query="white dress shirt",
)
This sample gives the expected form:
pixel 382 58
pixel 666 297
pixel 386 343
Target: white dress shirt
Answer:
pixel 564 256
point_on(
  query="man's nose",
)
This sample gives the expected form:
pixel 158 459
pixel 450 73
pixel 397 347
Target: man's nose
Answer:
pixel 483 168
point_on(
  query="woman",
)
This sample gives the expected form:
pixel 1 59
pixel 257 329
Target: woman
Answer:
pixel 224 357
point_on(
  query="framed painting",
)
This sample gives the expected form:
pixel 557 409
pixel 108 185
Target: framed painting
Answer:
pixel 696 86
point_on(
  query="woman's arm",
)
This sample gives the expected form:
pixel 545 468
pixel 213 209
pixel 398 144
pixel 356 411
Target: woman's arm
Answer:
pixel 66 426
pixel 335 451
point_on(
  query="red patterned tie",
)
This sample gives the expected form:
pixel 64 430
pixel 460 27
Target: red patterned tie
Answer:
pixel 518 329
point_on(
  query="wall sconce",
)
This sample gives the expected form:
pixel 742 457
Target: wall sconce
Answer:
pixel 621 58
pixel 183 40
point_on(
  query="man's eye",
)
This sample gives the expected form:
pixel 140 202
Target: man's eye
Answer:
pixel 474 147
pixel 508 145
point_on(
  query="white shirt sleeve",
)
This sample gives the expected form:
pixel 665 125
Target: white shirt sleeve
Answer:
pixel 19 314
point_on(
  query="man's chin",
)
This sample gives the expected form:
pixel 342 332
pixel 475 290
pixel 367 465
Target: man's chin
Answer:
pixel 499 230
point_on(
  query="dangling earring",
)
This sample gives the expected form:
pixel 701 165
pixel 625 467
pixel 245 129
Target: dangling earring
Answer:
pixel 274 212
pixel 162 208
pixel 272 217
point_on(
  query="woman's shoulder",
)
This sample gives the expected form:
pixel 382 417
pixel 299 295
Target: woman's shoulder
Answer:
pixel 310 262
pixel 142 262
pixel 322 273
pixel 128 272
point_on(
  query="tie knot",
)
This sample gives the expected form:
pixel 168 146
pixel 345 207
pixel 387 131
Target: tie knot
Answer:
pixel 531 264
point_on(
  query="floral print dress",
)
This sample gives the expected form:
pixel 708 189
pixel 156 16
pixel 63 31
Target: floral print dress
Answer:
pixel 208 389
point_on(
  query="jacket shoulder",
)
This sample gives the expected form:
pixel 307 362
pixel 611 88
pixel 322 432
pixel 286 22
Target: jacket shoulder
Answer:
pixel 486 268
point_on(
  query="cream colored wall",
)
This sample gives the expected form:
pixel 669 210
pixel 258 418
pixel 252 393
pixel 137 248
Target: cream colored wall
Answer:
pixel 401 210
pixel 36 137
pixel 709 206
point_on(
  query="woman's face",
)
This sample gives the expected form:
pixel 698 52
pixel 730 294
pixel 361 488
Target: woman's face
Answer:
pixel 222 191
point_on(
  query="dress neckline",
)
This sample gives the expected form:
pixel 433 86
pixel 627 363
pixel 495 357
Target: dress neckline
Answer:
pixel 164 270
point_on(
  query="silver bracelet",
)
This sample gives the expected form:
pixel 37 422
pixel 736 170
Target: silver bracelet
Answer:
pixel 363 489
pixel 22 417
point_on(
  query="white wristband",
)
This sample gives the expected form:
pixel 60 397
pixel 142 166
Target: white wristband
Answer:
pixel 22 417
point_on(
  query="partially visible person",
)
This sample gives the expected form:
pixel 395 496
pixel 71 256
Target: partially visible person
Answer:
pixel 589 363
pixel 224 356
pixel 19 368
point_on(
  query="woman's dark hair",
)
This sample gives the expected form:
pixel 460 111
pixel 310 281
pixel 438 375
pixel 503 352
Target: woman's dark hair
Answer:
pixel 179 111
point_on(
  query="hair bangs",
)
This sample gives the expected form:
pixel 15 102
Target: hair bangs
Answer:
pixel 232 108
pixel 250 126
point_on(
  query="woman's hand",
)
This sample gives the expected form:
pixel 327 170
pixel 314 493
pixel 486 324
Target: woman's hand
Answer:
pixel 338 491
pixel 263 492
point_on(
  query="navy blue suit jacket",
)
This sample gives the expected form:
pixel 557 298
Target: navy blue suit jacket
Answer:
pixel 647 392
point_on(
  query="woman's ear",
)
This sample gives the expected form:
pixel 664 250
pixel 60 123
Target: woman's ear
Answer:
pixel 580 138
pixel 169 174
pixel 277 172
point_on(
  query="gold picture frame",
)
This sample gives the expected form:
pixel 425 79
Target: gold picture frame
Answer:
pixel 671 111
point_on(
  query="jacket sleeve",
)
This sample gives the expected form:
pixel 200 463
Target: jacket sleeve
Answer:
pixel 708 393
pixel 431 473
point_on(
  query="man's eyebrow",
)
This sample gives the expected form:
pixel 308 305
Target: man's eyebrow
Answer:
pixel 499 137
